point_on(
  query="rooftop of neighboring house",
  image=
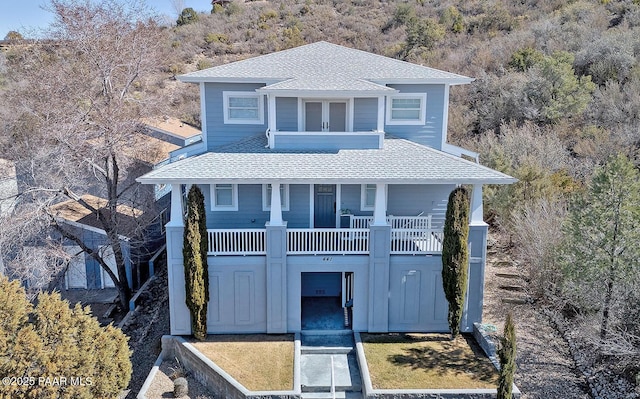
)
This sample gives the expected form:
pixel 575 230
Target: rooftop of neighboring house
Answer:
pixel 73 211
pixel 150 150
pixel 171 126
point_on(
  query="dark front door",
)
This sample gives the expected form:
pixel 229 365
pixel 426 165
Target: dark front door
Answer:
pixel 325 205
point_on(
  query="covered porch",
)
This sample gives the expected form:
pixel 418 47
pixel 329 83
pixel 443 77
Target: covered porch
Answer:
pixel 419 234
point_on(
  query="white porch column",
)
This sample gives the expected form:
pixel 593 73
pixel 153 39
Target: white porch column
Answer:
pixel 380 206
pixel 271 121
pixel 381 115
pixel 476 205
pixel 177 218
pixel 275 216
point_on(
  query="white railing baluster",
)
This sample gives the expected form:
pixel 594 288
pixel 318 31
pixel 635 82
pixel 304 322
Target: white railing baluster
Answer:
pixel 237 242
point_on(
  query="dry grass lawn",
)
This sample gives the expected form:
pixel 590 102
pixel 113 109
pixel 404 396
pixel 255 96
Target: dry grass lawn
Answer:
pixel 427 361
pixel 259 362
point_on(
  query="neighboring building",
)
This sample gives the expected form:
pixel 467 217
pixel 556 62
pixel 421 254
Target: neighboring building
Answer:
pixel 159 139
pixel 326 174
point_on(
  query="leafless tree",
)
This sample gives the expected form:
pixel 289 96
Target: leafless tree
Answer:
pixel 76 102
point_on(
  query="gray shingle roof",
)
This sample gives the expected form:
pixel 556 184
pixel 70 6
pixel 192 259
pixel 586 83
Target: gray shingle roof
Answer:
pixel 399 162
pixel 324 66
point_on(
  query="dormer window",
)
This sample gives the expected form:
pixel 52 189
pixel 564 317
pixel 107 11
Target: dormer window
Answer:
pixel 241 107
pixel 406 109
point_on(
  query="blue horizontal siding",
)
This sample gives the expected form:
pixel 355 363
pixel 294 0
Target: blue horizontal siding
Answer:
pixel 217 132
pixel 250 214
pixel 411 200
pixel 404 200
pixel 326 142
pixel 287 114
pixel 365 114
pixel 430 133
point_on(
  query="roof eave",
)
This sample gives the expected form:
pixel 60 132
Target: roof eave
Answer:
pixel 325 93
pixel 226 79
pixel 461 80
pixel 191 180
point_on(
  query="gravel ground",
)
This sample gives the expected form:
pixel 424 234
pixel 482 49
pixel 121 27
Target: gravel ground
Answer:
pixel 162 386
pixel 545 367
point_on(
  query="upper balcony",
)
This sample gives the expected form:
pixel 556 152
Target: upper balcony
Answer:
pixel 325 140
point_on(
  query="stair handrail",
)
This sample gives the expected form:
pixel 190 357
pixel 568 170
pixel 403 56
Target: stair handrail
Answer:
pixel 333 384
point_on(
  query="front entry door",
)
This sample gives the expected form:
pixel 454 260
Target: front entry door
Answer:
pixel 325 116
pixel 325 205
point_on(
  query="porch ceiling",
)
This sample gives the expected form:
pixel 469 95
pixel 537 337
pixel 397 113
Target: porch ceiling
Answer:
pixel 399 162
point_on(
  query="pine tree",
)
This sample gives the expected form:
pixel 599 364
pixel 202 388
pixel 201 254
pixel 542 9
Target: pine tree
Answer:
pixel 54 340
pixel 601 257
pixel 195 262
pixel 455 256
pixel 507 356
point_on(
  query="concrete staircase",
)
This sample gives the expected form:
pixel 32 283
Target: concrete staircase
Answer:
pixel 318 348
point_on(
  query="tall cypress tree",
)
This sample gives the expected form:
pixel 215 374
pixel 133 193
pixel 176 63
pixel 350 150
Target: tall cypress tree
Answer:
pixel 196 272
pixel 455 256
pixel 507 356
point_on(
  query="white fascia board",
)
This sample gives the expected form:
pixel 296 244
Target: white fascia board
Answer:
pixel 215 79
pixel 326 181
pixel 450 81
pixel 327 93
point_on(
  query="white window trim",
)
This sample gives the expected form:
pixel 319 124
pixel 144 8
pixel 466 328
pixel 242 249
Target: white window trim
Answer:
pixel 423 109
pixel 248 94
pixel 234 199
pixel 284 198
pixel 363 197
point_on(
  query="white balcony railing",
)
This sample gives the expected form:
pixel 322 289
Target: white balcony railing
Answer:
pixel 327 241
pixel 237 242
pixel 416 241
pixel 351 241
pixel 397 222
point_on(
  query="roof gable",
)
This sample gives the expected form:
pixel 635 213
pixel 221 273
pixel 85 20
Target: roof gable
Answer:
pixel 324 66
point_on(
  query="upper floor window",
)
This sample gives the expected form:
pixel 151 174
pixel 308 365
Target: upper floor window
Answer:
pixel 224 197
pixel 406 109
pixel 242 107
pixel 266 197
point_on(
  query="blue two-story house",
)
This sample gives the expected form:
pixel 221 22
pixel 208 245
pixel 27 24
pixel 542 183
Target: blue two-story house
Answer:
pixel 326 172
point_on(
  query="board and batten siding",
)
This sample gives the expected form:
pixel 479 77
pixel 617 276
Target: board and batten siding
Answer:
pixel 430 133
pixel 218 133
pixel 250 214
pixel 365 114
pixel 416 297
pixel 238 297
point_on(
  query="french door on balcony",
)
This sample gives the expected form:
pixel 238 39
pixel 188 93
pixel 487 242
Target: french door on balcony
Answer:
pixel 325 116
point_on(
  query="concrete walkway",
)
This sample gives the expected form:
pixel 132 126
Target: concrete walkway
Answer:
pixel 319 349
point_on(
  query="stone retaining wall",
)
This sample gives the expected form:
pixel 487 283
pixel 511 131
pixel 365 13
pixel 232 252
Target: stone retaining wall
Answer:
pixel 211 376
